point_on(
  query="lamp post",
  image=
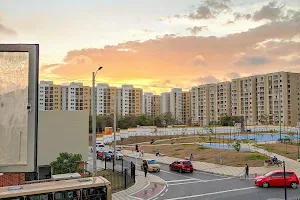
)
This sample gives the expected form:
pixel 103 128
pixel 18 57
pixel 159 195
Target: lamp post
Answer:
pixel 115 127
pixel 279 115
pixel 298 127
pixel 93 112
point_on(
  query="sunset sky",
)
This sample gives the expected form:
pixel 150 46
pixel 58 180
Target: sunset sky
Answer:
pixel 156 44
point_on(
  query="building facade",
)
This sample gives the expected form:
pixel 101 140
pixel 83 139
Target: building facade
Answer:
pixel 130 100
pixel 155 107
pixel 105 99
pixel 147 103
pixel 268 98
pixel 49 96
pixel 164 102
pixel 176 104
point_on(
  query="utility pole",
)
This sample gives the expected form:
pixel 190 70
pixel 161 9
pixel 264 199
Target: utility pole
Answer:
pixel 279 115
pixel 115 126
pixel 93 112
pixel 284 176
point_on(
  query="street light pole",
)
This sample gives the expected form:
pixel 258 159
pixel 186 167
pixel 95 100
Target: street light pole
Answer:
pixel 93 112
pixel 279 116
pixel 298 144
pixel 115 126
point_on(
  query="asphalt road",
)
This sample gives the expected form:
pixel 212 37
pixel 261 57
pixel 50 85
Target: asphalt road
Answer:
pixel 199 185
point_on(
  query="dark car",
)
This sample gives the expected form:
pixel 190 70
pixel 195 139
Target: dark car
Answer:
pixel 182 166
pixel 104 155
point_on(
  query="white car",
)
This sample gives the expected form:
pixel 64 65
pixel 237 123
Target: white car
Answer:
pixel 119 156
pixel 99 147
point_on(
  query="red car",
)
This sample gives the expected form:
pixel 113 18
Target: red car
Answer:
pixel 182 166
pixel 276 179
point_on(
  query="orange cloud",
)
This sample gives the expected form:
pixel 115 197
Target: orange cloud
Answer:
pixel 185 61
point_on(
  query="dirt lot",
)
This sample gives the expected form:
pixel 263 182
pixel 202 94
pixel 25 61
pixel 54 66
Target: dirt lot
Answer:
pixel 139 139
pixel 200 153
pixel 195 139
pixel 289 151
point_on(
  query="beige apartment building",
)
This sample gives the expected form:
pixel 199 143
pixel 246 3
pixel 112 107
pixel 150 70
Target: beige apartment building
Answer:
pixel 49 96
pixel 267 98
pixel 244 99
pixel 186 108
pixel 223 100
pixel 155 105
pixel 105 99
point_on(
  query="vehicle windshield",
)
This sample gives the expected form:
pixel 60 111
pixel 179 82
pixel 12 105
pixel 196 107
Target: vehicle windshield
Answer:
pixel 152 162
pixel 186 162
pixel 268 174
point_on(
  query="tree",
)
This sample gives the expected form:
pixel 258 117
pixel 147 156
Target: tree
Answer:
pixel 67 163
pixel 264 119
pixel 236 145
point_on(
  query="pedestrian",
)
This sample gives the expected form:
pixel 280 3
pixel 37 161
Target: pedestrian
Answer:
pixel 157 152
pixel 246 172
pixel 142 151
pixel 191 157
pixel 145 166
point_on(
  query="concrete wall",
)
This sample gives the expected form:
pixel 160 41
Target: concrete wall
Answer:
pixel 63 131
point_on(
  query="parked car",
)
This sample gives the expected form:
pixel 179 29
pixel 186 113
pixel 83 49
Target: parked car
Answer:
pixel 104 154
pixel 119 156
pixel 276 179
pixel 153 166
pixel 182 166
pixel 99 147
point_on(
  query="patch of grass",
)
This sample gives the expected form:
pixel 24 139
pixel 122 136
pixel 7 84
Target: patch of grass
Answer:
pixel 256 156
pixel 187 144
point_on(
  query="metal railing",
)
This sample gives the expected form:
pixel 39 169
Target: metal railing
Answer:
pixel 121 174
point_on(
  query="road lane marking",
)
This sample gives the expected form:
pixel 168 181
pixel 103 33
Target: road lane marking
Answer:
pixel 200 181
pixel 162 191
pixel 178 174
pixel 213 193
pixel 181 180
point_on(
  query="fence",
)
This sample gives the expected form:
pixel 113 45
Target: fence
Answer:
pixel 121 174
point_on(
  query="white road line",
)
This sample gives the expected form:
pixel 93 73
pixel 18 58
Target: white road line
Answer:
pixel 213 193
pixel 181 180
pixel 155 196
pixel 178 174
pixel 201 181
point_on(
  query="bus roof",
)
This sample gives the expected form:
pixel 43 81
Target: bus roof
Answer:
pixel 52 186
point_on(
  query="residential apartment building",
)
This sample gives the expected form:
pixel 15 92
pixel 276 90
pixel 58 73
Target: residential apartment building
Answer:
pixel 105 99
pixel 186 108
pixel 194 105
pixel 78 97
pixel 155 106
pixel 130 100
pixel 223 100
pixel 49 96
pixel 261 98
pixel 176 104
pixel 164 102
pixel 147 103
pixel 210 102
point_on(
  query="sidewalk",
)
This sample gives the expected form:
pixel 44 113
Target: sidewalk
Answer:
pixel 137 190
pixel 289 163
pixel 141 183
